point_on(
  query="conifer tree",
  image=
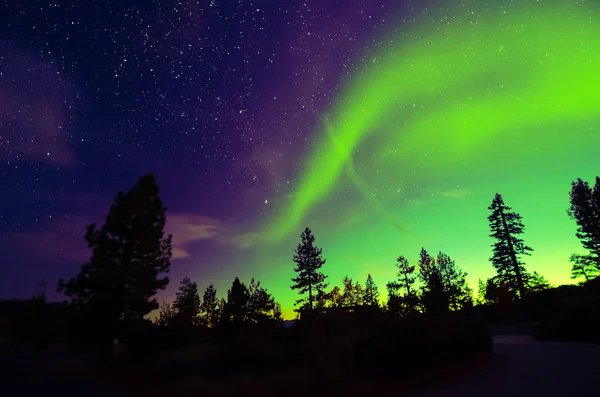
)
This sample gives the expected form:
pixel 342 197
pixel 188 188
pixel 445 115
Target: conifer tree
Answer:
pixel 334 297
pixel 278 314
pixel 584 266
pixel 309 260
pixel 401 292
pixel 260 302
pixel 371 293
pixel 505 226
pixel 236 307
pixel 435 298
pixel 209 309
pixel 187 303
pixel 352 293
pixel 455 283
pixel 426 266
pixel 585 210
pixel 129 254
pixel 537 282
pixel 166 314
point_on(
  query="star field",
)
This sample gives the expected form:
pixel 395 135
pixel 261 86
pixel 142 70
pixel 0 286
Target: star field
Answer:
pixel 259 117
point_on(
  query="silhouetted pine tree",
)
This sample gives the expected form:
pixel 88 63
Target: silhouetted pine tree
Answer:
pixel 260 303
pixel 455 283
pixel 352 293
pixel 129 253
pixel 481 300
pixel 209 309
pixel 278 314
pixel 584 266
pixel 505 226
pixel 187 303
pixel 309 260
pixel 585 210
pixel 236 307
pixel 426 266
pixel 401 293
pixel 166 314
pixel 334 297
pixel 435 298
pixel 371 293
pixel 537 282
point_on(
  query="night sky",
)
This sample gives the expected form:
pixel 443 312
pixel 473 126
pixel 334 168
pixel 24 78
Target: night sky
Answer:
pixel 384 125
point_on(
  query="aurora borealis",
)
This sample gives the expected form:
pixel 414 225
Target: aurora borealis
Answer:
pixel 384 126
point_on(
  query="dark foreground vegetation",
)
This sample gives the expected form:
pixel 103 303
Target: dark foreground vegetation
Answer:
pixel 344 340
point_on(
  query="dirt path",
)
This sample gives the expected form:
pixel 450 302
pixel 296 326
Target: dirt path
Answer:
pixel 523 367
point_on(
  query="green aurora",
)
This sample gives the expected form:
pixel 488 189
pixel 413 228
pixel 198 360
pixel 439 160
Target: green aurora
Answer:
pixel 433 122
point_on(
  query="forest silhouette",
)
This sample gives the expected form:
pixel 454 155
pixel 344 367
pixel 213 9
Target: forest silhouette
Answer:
pixel 345 337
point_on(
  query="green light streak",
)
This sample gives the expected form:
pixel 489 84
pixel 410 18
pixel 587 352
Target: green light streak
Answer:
pixel 454 87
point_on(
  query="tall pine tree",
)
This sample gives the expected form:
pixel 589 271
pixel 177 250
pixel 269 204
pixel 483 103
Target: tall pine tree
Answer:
pixel 402 296
pixel 352 293
pixel 455 282
pixel 426 266
pixel 584 266
pixel 371 293
pixel 585 210
pixel 309 260
pixel 236 308
pixel 505 226
pixel 130 253
pixel 187 303
pixel 260 303
pixel 209 309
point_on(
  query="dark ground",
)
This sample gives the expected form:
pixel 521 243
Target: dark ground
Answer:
pixel 522 367
pixel 519 367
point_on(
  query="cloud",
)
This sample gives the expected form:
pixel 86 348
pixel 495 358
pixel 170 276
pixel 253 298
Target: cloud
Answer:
pixel 62 240
pixel 190 228
pixel 36 101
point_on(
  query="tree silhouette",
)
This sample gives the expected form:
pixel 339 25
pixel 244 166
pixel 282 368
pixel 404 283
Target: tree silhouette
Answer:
pixel 426 266
pixel 371 293
pixel 435 298
pixel 334 297
pixel 537 282
pixel 505 226
pixel 260 303
pixel 352 293
pixel 585 210
pixel 187 303
pixel 308 259
pixel 209 309
pixel 496 291
pixel 455 284
pixel 129 253
pixel 236 307
pixel 402 297
pixel 166 314
pixel 481 286
pixel 278 314
pixel 584 266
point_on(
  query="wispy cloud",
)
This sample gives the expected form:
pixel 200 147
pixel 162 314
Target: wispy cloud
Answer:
pixel 190 228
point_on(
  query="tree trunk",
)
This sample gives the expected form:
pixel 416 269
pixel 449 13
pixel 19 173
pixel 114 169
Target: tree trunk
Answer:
pixel 513 255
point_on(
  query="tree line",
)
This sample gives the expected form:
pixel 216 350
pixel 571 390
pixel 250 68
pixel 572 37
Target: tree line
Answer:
pixel 131 257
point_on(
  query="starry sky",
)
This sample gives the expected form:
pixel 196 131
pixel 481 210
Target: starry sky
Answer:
pixel 384 125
